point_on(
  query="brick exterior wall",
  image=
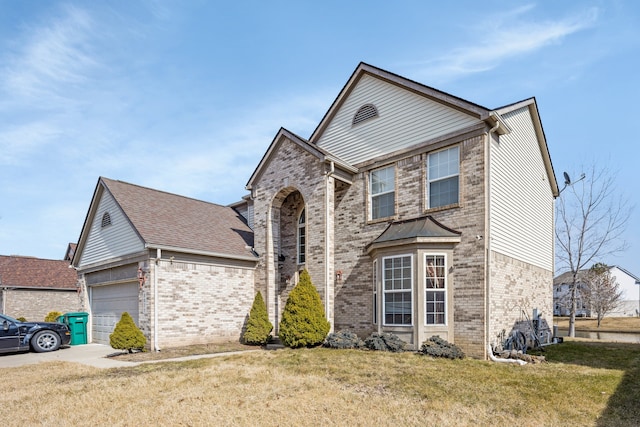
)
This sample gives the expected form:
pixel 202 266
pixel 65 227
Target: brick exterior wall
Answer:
pixel 294 171
pixel 354 299
pixel 517 288
pixel 35 304
pixel 291 171
pixel 199 303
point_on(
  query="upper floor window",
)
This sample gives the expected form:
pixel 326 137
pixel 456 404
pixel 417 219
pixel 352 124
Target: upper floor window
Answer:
pixel 435 290
pixel 397 273
pixel 366 112
pixel 106 219
pixel 302 237
pixel 443 176
pixel 382 192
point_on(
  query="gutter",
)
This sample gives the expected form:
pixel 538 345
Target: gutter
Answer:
pixel 487 233
pixel 200 252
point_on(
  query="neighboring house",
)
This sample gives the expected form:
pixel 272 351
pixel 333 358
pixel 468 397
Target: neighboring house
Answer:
pixel 414 211
pixel 182 268
pixel 562 295
pixel 33 287
pixel 628 284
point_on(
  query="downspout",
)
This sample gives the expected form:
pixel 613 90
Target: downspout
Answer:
pixel 327 270
pixel 501 360
pixel 156 269
pixel 487 234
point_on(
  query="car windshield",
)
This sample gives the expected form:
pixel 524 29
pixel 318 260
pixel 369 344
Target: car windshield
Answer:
pixel 9 318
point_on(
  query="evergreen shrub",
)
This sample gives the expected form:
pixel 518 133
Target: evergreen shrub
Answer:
pixel 126 335
pixel 258 325
pixel 385 342
pixel 438 347
pixel 343 339
pixel 303 321
pixel 21 319
pixel 52 316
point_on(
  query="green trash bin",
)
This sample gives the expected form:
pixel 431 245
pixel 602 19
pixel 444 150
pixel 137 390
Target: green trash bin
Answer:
pixel 77 323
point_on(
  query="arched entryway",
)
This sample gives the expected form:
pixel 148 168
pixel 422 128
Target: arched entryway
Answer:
pixel 288 239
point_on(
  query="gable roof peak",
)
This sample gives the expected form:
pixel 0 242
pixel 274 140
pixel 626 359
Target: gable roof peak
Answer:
pixel 363 68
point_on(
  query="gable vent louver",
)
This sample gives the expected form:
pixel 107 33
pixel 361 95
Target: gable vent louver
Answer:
pixel 364 113
pixel 106 219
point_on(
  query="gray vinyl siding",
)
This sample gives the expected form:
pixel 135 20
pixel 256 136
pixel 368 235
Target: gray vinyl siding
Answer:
pixel 115 240
pixel 405 119
pixel 521 216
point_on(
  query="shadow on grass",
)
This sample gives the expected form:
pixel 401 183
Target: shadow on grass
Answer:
pixel 623 408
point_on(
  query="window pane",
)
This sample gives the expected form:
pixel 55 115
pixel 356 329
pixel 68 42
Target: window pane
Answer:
pixel 444 192
pixel 302 238
pixel 382 180
pixel 443 176
pixel 435 296
pixel 397 308
pixel 383 206
pixel 382 192
pixel 444 163
pixel 397 279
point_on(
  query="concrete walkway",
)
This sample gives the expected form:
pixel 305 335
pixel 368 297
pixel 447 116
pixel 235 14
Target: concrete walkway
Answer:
pixel 89 354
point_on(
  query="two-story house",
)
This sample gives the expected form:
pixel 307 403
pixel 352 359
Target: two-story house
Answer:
pixel 414 211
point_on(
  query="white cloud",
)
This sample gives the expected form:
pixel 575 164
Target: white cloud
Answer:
pixel 504 37
pixel 54 55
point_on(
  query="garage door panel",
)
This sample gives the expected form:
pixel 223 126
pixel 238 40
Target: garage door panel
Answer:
pixel 107 305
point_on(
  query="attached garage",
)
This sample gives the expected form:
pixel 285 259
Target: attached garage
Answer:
pixel 107 305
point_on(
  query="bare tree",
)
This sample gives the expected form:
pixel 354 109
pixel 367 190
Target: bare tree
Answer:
pixel 591 218
pixel 602 292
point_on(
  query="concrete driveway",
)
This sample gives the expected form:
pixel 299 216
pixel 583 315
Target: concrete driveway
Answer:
pixel 87 354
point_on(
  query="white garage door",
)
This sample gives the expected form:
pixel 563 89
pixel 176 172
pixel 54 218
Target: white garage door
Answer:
pixel 107 305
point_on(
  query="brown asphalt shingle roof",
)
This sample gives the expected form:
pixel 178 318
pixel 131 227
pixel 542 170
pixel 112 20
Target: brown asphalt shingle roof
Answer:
pixel 166 219
pixel 28 272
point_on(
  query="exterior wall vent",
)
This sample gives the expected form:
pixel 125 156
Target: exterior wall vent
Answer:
pixel 364 113
pixel 106 219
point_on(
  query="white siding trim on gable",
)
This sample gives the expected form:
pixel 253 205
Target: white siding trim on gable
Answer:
pixel 115 240
pixel 521 207
pixel 405 119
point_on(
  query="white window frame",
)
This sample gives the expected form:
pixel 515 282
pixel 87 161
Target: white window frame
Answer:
pixel 386 292
pixel 301 237
pixel 385 192
pixel 432 284
pixel 442 178
pixel 375 292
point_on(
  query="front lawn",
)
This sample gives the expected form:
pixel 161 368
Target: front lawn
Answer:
pixel 582 384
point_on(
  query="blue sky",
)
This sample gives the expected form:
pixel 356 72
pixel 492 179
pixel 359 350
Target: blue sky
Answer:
pixel 186 96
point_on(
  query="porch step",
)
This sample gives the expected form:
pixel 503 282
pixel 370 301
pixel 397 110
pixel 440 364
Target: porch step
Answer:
pixel 275 344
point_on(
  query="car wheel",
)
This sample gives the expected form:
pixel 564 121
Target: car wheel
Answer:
pixel 44 341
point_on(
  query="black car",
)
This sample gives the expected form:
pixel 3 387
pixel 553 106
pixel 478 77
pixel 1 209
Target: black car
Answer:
pixel 39 336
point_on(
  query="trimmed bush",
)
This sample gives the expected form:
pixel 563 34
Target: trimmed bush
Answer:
pixel 343 339
pixel 258 325
pixel 385 342
pixel 437 347
pixel 53 316
pixel 21 319
pixel 126 335
pixel 303 321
